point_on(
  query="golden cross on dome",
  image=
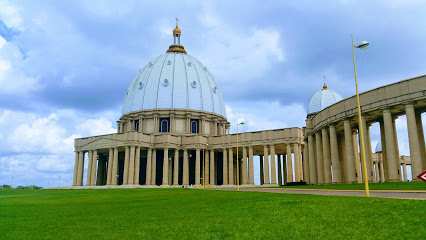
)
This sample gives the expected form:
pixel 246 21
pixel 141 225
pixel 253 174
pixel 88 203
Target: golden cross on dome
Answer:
pixel 177 22
pixel 325 86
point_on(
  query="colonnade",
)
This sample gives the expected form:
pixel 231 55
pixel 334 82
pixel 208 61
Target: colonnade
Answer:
pixel 334 156
pixel 103 170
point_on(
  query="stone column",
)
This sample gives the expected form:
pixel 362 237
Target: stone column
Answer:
pixel 334 154
pixel 396 147
pixel 297 166
pixel 126 165
pixel 110 160
pixel 312 163
pixel 289 164
pixel 212 168
pixel 421 136
pixel 320 161
pixel 148 167
pixel 393 160
pixel 114 173
pixel 284 169
pixel 170 171
pixel 376 172
pixel 251 166
pixel 185 177
pixel 350 162
pixel 273 166
pixel 137 165
pixel 197 167
pixel 280 177
pixel 370 152
pixel 75 173
pixel 154 167
pixel 368 160
pixel 404 168
pixel 413 138
pixel 131 166
pixel 266 164
pixel 225 167
pixel 244 167
pixel 384 152
pixel 89 168
pixel 166 167
pixel 231 167
pixel 99 172
pixel 357 158
pixel 326 156
pixel 94 161
pixel 262 177
pixel 176 168
pixel 300 161
pixel 382 172
pixel 206 164
pixel 80 169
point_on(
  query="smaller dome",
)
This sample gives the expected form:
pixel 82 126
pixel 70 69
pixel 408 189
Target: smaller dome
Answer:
pixel 379 147
pixel 322 99
pixel 176 31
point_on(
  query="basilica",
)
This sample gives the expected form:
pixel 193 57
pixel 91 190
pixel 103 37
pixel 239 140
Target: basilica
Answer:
pixel 173 131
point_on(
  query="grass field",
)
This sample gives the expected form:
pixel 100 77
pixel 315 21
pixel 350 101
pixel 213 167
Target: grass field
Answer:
pixel 204 214
pixel 373 186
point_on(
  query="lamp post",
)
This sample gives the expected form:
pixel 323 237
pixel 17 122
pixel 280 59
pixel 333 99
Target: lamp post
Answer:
pixel 363 46
pixel 238 161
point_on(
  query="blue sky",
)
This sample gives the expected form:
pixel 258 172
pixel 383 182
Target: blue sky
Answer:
pixel 65 65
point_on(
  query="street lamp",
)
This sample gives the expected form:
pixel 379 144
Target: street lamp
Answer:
pixel 238 161
pixel 363 46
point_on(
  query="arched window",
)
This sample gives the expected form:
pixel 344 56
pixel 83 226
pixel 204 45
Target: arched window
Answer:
pixel 195 125
pixel 164 125
pixel 136 125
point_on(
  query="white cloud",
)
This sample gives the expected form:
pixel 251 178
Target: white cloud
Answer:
pixel 236 55
pixel 96 127
pixel 12 71
pixel 42 147
pixel 266 115
pixel 55 163
pixel 10 15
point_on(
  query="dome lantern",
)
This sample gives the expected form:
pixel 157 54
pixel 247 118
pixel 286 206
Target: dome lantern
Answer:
pixel 176 47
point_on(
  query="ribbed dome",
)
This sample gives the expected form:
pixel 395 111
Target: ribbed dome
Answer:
pixel 323 99
pixel 174 80
pixel 379 147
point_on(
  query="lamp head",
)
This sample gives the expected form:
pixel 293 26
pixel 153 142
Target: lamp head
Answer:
pixel 363 45
pixel 241 122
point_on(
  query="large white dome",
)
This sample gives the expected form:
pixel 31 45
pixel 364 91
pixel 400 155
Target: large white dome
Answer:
pixel 323 99
pixel 174 80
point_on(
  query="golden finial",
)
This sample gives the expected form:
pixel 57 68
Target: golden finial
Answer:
pixel 176 31
pixel 325 86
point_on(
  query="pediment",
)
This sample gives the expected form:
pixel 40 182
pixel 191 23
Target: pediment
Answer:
pixel 101 142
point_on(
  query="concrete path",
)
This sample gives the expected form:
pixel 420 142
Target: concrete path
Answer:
pixel 406 194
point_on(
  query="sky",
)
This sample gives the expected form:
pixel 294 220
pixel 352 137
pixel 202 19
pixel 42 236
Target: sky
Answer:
pixel 65 65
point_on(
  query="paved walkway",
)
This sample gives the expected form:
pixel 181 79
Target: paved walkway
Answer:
pixel 406 194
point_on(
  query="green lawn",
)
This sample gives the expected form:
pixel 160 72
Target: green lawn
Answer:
pixel 204 214
pixel 373 186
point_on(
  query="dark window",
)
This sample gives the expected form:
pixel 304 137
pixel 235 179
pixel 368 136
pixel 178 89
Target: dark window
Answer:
pixel 137 126
pixel 195 125
pixel 164 125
